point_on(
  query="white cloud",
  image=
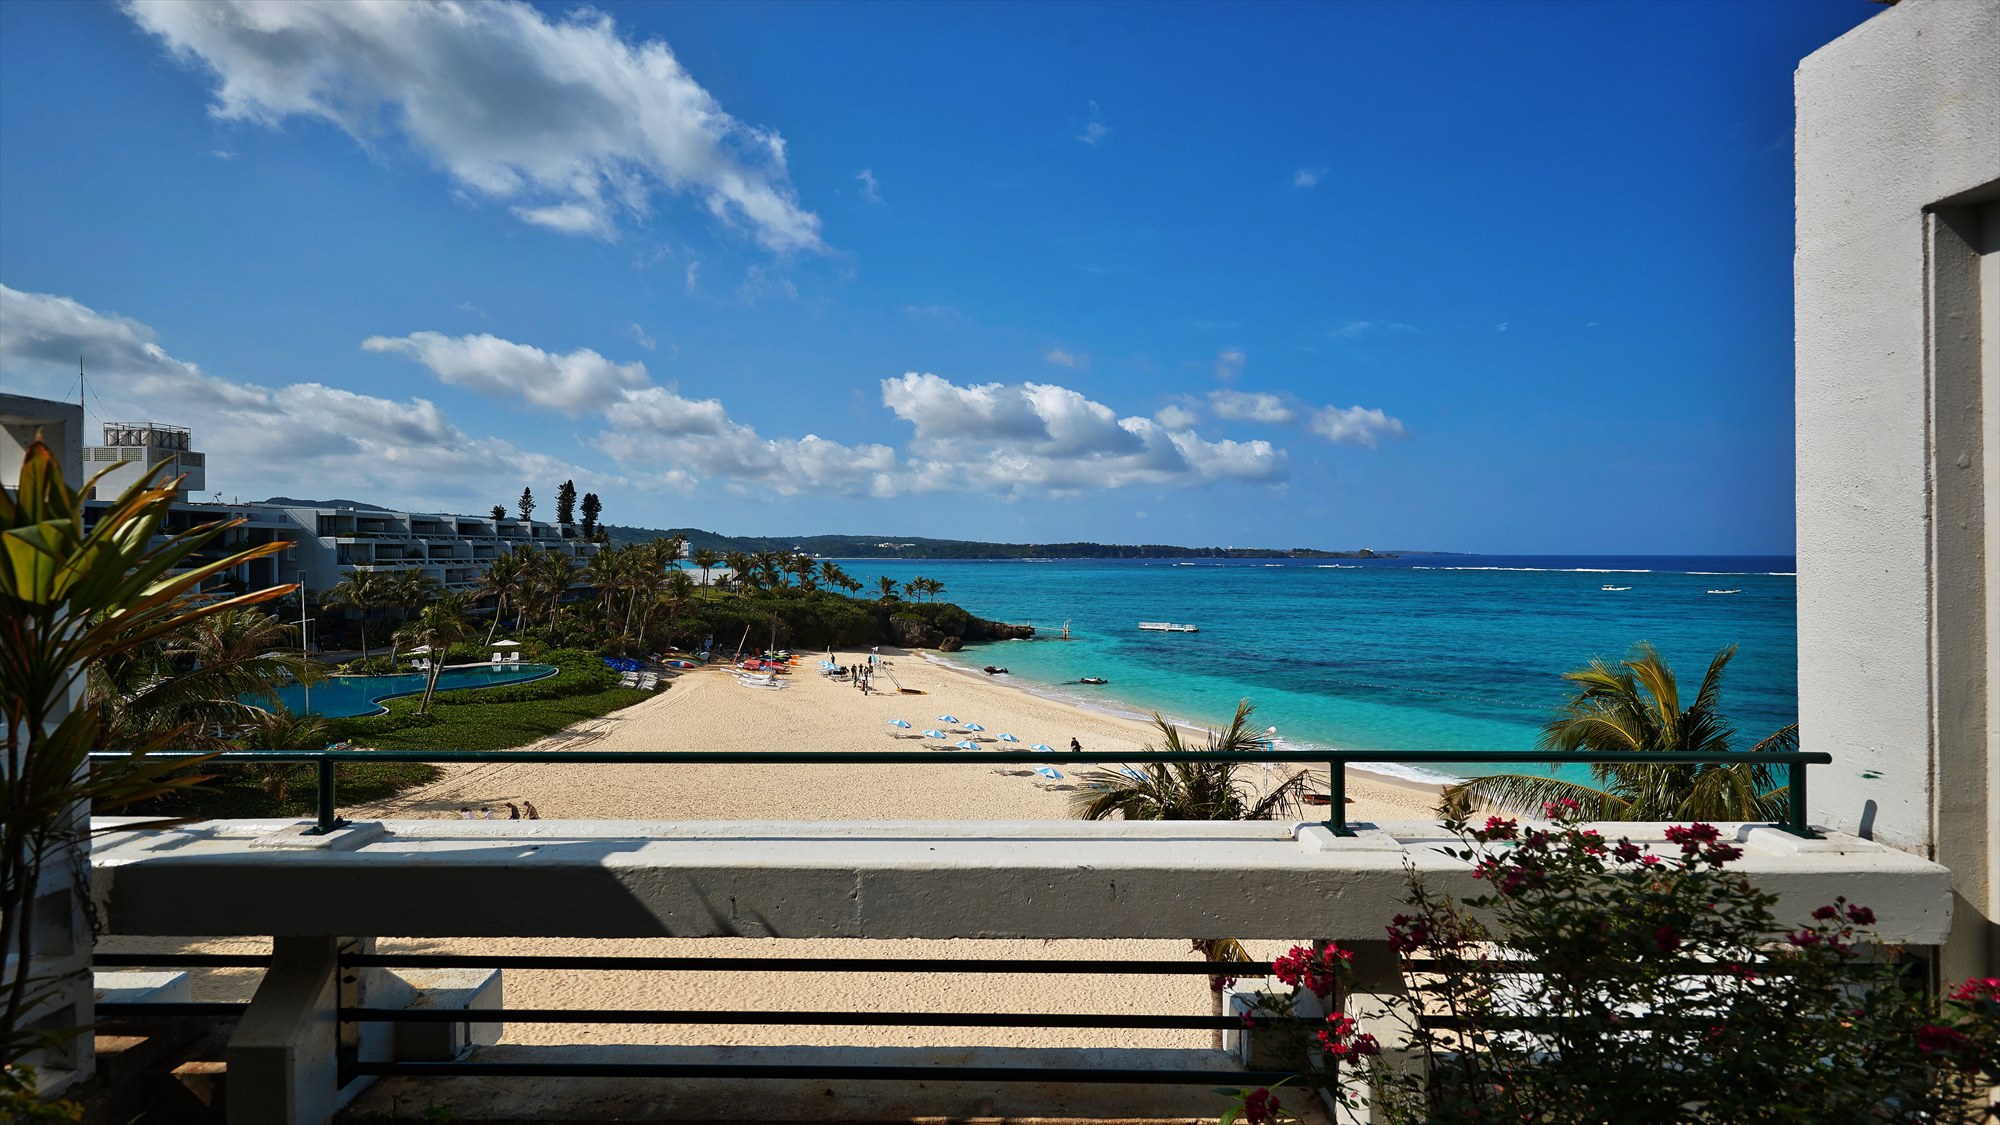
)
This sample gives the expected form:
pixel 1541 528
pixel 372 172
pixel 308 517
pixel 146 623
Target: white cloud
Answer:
pixel 1354 329
pixel 1026 439
pixel 574 382
pixel 759 283
pixel 1064 358
pixel 1246 406
pixel 1229 364
pixel 1308 177
pixel 298 439
pixel 871 188
pixel 692 278
pixel 1094 130
pixel 1175 416
pixel 573 126
pixel 687 440
pixel 940 312
pixel 1502 326
pixel 1354 425
pixel 645 341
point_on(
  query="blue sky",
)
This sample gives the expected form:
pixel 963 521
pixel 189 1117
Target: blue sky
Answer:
pixel 1488 277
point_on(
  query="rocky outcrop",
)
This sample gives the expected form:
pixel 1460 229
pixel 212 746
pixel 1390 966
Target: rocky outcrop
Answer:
pixel 910 631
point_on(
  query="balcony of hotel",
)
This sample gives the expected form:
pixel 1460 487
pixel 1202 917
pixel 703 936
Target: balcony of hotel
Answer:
pixel 368 963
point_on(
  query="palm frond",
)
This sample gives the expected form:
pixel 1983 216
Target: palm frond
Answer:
pixel 1528 793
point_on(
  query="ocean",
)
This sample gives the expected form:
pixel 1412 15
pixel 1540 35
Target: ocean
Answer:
pixel 1448 652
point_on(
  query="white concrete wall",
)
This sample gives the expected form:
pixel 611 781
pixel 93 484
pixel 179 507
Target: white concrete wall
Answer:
pixel 60 425
pixel 1898 137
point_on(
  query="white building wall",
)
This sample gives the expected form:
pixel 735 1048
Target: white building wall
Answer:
pixel 1898 139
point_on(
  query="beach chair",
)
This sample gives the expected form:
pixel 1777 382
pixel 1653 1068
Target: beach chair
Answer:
pixel 649 681
pixel 513 658
pixel 629 679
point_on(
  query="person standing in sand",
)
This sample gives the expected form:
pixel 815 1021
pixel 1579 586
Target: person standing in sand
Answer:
pixel 1075 747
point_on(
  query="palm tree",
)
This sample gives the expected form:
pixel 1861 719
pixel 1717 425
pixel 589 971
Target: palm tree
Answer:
pixel 362 590
pixel 887 586
pixel 705 559
pixel 558 572
pixel 502 580
pixel 738 564
pixel 188 687
pixel 282 730
pixel 1636 705
pixel 606 571
pixel 933 588
pixel 1188 790
pixel 440 625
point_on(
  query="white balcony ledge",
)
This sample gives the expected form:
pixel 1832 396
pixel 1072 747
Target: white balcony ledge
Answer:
pixel 870 879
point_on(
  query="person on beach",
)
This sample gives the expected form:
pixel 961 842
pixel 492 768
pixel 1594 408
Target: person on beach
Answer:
pixel 1075 747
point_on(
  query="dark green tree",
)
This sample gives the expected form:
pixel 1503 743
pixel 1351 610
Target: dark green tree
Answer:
pixel 592 507
pixel 527 504
pixel 566 505
pixel 499 511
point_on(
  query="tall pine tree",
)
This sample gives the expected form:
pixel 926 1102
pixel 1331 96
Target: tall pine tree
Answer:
pixel 527 504
pixel 566 505
pixel 591 507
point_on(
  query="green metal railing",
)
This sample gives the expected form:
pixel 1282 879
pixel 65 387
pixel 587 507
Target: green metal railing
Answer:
pixel 327 818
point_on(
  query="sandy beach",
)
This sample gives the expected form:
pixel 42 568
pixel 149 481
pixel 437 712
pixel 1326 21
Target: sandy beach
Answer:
pixel 707 709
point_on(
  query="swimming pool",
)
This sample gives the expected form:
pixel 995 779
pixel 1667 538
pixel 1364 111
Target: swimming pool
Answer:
pixel 342 697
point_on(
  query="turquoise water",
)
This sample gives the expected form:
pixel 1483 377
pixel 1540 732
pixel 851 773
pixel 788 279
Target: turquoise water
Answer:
pixel 1438 652
pixel 341 697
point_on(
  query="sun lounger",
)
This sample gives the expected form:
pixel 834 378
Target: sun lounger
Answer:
pixel 513 658
pixel 629 679
pixel 649 681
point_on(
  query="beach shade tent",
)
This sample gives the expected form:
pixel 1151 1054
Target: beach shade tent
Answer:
pixel 934 733
pixel 1008 738
pixel 1050 772
pixel 903 723
pixel 968 744
pixel 947 718
pixel 1043 747
pixel 974 726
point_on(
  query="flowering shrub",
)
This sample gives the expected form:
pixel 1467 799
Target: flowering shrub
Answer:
pixel 1594 980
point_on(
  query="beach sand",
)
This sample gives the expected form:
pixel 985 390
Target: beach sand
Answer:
pixel 707 709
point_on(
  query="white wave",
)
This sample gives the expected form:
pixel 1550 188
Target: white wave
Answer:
pixel 1349 566
pixel 1539 569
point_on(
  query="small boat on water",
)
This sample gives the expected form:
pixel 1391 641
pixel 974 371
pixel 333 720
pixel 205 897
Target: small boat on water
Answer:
pixel 1615 589
pixel 1725 591
pixel 1167 627
pixel 1093 680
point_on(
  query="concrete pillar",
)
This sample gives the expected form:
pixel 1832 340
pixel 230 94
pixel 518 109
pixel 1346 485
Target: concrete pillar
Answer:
pixel 1379 1001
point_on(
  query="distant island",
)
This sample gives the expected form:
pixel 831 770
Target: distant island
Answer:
pixel 918 547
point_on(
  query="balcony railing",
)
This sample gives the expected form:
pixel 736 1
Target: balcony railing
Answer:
pixel 327 818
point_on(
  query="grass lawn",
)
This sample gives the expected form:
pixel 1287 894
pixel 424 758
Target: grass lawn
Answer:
pixel 461 723
pixel 472 725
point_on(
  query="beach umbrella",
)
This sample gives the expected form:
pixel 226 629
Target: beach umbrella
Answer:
pixel 974 726
pixel 1128 771
pixel 947 718
pixel 1050 772
pixel 1008 738
pixel 935 734
pixel 419 650
pixel 968 744
pixel 505 644
pixel 904 723
pixel 1043 747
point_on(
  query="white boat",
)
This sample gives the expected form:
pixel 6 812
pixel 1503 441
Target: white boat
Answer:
pixel 1614 588
pixel 1725 591
pixel 1167 627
